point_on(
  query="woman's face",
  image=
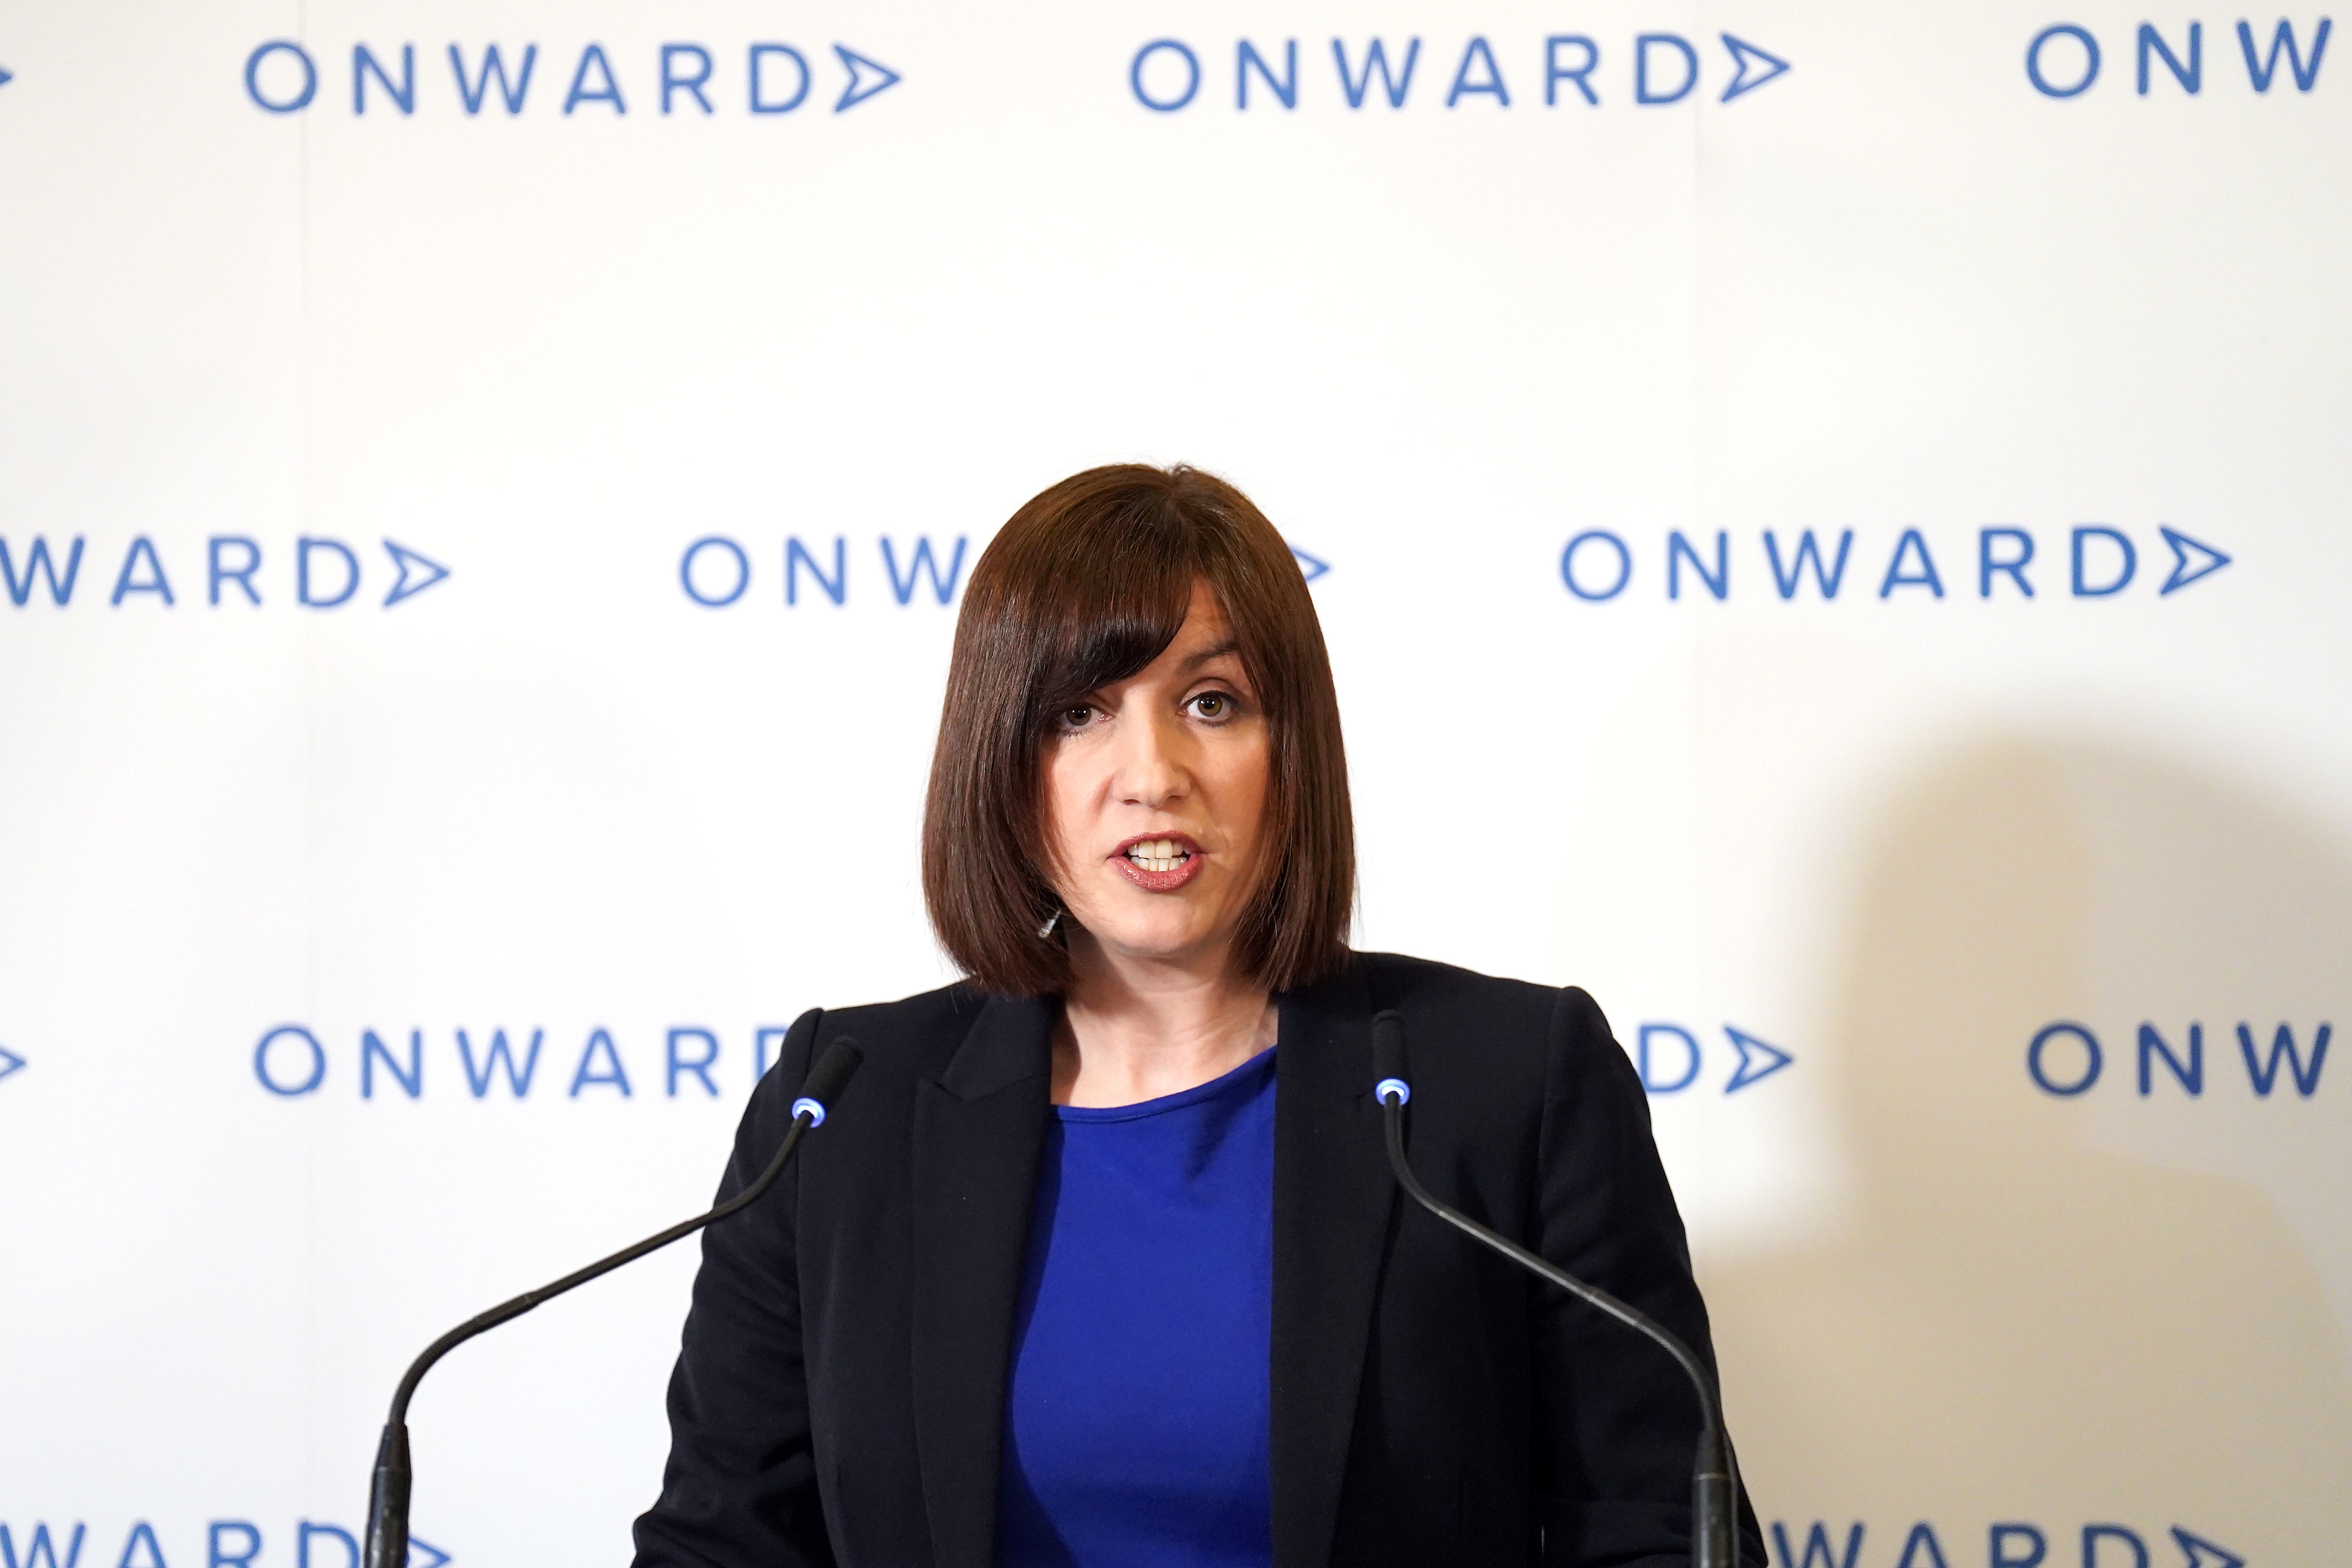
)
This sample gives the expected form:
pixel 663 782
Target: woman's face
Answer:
pixel 1154 794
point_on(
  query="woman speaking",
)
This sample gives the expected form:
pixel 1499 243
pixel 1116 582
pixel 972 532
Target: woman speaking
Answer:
pixel 1099 1262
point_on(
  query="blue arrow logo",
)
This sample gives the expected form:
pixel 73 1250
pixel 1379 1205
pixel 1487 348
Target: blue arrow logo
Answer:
pixel 9 1061
pixel 2204 1554
pixel 437 1558
pixel 6 76
pixel 1314 566
pixel 2209 560
pixel 1757 67
pixel 1757 1059
pixel 411 562
pixel 866 76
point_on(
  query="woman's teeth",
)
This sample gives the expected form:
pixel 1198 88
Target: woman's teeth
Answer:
pixel 1158 854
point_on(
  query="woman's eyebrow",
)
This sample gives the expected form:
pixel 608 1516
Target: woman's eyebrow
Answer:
pixel 1206 654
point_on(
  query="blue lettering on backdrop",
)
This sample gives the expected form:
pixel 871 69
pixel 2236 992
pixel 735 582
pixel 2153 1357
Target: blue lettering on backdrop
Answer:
pixel 142 1534
pixel 2093 1534
pixel 1490 82
pixel 1567 566
pixel 141 549
pixel 2204 1554
pixel 1763 64
pixel 2260 74
pixel 285 103
pixel 1641 1057
pixel 216 573
pixel 2014 565
pixel 1309 566
pixel 219 1554
pixel 1164 74
pixel 1555 73
pixel 473 92
pixel 372 1050
pixel 304 548
pixel 478 1079
pixel 1376 59
pixel 364 64
pixel 943 588
pixel 305 1532
pixel 1924 577
pixel 426 571
pixel 1165 103
pixel 39 563
pixel 2017 1546
pixel 2088 71
pixel 1246 58
pixel 2055 1074
pixel 743 572
pixel 1817 1553
pixel 1826 581
pixel 1678 550
pixel 10 1062
pixel 2209 560
pixel 229 1542
pixel 2190 1074
pixel 1758 1059
pixel 796 555
pixel 2093 1060
pixel 2083 588
pixel 610 92
pixel 671 82
pixel 40 1550
pixel 1922 1538
pixel 761 102
pixel 2105 563
pixel 1646 90
pixel 2264 1075
pixel 619 1076
pixel 2071 67
pixel 2191 76
pixel 699 1064
pixel 315 1065
pixel 866 78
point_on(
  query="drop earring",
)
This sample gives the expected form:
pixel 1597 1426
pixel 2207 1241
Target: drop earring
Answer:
pixel 1046 932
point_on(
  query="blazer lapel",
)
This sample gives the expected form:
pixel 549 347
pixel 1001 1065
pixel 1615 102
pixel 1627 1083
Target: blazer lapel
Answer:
pixel 1332 1202
pixel 978 1128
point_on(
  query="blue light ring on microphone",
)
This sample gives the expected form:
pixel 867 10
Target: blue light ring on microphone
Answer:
pixel 1403 1090
pixel 813 1110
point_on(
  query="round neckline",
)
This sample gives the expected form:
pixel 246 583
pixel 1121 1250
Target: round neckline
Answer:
pixel 1261 1061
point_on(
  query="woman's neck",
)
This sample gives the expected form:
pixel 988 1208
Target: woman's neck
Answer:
pixel 1132 1031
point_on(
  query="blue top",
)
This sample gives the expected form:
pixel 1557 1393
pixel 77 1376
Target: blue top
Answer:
pixel 1136 1427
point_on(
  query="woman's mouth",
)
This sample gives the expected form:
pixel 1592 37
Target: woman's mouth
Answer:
pixel 1160 864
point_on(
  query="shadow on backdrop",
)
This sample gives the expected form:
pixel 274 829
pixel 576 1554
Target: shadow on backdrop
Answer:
pixel 2034 1312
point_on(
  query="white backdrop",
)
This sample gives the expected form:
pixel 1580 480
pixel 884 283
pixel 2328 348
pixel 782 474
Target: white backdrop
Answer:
pixel 481 758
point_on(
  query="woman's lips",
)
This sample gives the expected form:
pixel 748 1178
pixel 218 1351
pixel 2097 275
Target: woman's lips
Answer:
pixel 1161 862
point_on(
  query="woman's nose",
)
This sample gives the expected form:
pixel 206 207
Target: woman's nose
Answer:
pixel 1150 767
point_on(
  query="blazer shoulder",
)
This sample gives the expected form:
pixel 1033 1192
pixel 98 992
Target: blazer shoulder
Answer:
pixel 915 1033
pixel 1410 984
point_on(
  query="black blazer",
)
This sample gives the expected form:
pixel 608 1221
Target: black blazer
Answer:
pixel 840 1395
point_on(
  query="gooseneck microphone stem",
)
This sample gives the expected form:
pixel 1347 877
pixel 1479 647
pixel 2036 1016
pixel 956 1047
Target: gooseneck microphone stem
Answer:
pixel 1714 1490
pixel 388 1492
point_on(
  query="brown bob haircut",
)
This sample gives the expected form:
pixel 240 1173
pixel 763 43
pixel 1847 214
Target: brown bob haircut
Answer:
pixel 1083 587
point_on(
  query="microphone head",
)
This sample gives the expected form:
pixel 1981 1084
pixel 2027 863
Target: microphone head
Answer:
pixel 827 1080
pixel 1388 1056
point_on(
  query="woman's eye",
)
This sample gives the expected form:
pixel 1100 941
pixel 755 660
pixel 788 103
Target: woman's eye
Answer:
pixel 1212 705
pixel 1078 717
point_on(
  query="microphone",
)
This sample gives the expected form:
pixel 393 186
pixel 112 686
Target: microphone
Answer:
pixel 387 1532
pixel 1712 1486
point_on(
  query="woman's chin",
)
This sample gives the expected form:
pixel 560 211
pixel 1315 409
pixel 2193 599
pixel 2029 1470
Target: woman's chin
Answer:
pixel 1160 940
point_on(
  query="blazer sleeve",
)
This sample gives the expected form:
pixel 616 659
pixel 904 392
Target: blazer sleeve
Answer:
pixel 1616 1419
pixel 739 1489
